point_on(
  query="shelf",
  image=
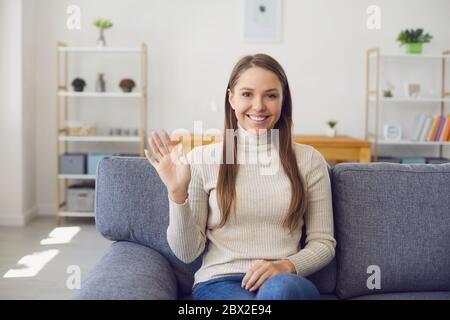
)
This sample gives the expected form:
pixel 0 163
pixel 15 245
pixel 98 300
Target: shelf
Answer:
pixel 100 94
pixel 100 49
pixel 64 213
pixel 410 142
pixel 77 176
pixel 411 100
pixel 411 56
pixel 100 138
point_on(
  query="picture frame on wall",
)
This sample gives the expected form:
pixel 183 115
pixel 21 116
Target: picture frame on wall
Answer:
pixel 262 21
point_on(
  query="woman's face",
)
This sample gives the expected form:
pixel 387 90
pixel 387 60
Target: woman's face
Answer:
pixel 257 99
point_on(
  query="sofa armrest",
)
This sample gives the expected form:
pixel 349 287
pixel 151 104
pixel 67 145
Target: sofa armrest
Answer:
pixel 130 271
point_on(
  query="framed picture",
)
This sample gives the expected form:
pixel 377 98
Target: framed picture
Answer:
pixel 262 21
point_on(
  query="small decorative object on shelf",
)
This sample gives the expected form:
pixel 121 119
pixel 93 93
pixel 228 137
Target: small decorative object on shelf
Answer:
pixel 127 85
pixel 100 85
pixel 387 93
pixel 123 132
pixel 331 128
pixel 79 128
pixel 412 90
pixel 389 88
pixel 78 84
pixel 102 25
pixel 392 132
pixel 413 40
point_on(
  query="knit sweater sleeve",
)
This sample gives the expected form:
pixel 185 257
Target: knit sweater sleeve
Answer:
pixel 320 244
pixel 186 233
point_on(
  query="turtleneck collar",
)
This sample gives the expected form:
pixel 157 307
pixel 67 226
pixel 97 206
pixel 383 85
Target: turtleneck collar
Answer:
pixel 252 138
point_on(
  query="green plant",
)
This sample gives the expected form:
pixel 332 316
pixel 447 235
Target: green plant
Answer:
pixel 413 36
pixel 387 93
pixel 103 24
pixel 332 123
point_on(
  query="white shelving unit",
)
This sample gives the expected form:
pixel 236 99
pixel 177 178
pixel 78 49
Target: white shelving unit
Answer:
pixel 100 94
pixel 375 100
pixel 63 95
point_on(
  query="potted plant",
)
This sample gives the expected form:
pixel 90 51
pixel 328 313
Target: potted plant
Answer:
pixel 102 25
pixel 413 40
pixel 331 128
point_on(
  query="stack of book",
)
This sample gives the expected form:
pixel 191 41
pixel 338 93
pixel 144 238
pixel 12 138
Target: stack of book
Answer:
pixel 432 128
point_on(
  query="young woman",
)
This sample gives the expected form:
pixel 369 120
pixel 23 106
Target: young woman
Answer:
pixel 252 217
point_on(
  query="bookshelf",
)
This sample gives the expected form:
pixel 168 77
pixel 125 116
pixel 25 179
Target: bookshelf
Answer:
pixel 374 99
pixel 63 97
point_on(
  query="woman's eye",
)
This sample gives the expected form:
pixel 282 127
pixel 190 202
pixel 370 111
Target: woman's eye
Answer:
pixel 272 96
pixel 246 94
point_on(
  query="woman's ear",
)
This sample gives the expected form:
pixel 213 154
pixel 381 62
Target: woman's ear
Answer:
pixel 230 98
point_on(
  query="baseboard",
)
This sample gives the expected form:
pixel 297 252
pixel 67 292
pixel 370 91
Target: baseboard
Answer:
pixel 47 210
pixel 18 220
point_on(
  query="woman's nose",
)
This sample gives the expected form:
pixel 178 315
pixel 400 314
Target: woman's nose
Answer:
pixel 258 105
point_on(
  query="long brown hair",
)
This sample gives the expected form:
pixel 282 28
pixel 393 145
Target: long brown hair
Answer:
pixel 225 189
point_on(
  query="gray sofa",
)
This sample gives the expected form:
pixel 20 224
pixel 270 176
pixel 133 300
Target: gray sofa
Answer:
pixel 392 226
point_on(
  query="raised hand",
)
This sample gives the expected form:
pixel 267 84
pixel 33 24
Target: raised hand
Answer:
pixel 171 164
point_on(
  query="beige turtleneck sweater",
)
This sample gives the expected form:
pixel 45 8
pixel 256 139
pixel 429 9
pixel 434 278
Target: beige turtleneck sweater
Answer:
pixel 263 194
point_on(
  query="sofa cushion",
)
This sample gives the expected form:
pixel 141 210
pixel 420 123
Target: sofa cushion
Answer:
pixel 395 217
pixel 131 204
pixel 129 271
pixel 430 295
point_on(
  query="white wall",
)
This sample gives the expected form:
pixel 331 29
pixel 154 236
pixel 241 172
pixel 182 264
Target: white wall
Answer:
pixel 192 48
pixel 29 186
pixel 10 112
pixel 17 122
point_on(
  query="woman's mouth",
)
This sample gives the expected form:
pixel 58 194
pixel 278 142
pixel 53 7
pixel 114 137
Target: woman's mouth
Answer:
pixel 257 119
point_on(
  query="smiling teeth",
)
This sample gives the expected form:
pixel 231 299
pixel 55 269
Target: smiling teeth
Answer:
pixel 257 118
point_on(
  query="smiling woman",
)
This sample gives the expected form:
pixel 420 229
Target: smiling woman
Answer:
pixel 257 99
pixel 251 217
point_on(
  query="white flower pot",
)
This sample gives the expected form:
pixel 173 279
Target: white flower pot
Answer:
pixel 330 132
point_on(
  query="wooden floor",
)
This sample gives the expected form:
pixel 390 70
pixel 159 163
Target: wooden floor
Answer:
pixel 84 250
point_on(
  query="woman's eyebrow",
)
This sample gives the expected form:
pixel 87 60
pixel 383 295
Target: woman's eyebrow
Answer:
pixel 250 89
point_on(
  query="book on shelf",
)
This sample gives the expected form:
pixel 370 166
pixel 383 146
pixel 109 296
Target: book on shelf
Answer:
pixel 434 128
pixel 431 128
pixel 441 126
pixel 420 121
pixel 426 127
pixel 445 136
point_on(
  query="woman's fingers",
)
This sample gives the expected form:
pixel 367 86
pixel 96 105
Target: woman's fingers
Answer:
pixel 155 148
pixel 260 281
pixel 167 141
pixel 162 147
pixel 153 161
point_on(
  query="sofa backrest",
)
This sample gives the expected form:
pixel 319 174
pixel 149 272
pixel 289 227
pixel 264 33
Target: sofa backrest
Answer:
pixel 131 204
pixel 392 226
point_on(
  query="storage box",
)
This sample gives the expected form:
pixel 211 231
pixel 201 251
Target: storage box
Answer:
pixel 412 160
pixel 92 161
pixel 72 163
pixel 80 198
pixel 437 160
pixel 389 159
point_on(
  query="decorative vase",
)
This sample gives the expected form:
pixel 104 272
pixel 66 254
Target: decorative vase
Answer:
pixel 101 42
pixel 415 48
pixel 330 132
pixel 100 84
